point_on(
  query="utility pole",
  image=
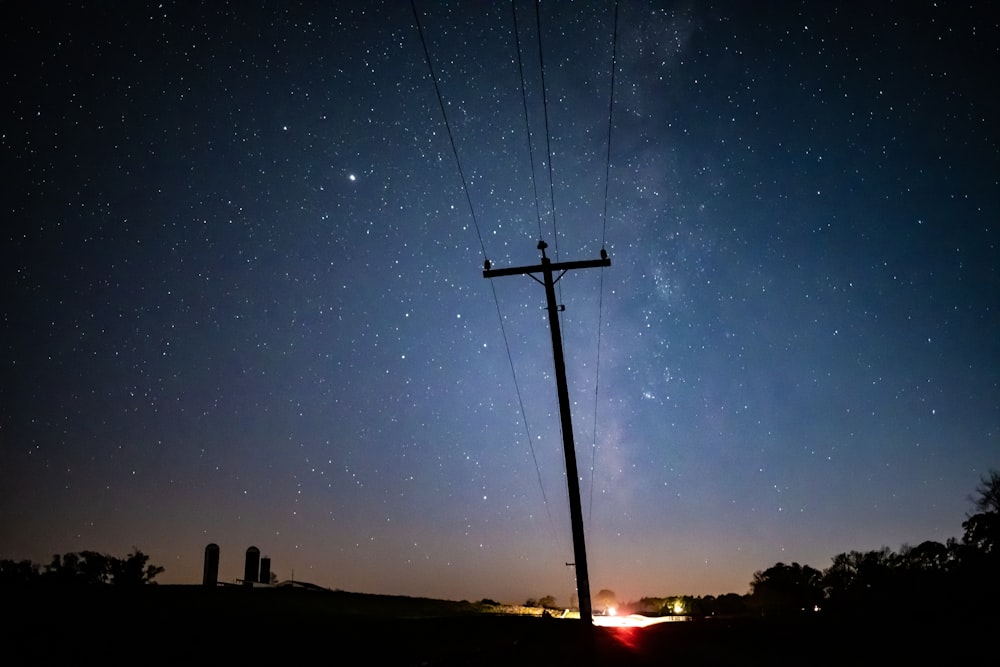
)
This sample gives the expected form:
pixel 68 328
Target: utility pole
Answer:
pixel 547 268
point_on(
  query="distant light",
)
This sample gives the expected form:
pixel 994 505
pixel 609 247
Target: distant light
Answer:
pixel 630 621
pixel 352 177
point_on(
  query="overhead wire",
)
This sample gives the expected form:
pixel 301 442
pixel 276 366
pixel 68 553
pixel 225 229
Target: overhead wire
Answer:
pixel 447 125
pixel 524 416
pixel 475 220
pixel 486 261
pixel 552 207
pixel 604 234
pixel 527 126
pixel 548 141
pixel 548 151
pixel 611 111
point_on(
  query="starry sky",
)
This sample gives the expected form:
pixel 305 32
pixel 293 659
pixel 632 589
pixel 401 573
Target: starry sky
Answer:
pixel 243 299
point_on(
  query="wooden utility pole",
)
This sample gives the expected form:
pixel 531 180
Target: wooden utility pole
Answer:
pixel 547 268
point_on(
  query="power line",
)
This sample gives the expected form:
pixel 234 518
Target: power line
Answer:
pixel 444 114
pixel 520 403
pixel 486 261
pixel 604 233
pixel 611 110
pixel 527 127
pixel 607 181
pixel 468 198
pixel 548 142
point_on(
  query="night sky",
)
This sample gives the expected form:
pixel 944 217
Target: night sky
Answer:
pixel 243 301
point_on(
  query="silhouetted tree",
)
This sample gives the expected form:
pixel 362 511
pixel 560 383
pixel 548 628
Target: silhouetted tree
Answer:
pixel 648 605
pixel 63 569
pixel 862 581
pixel 547 602
pixel 783 589
pixel 979 572
pixel 987 495
pixel 18 573
pixel 982 534
pixel 91 567
pixel 133 570
pixel 928 556
pixel 925 575
pixel 982 530
pixel 605 598
pixel 95 568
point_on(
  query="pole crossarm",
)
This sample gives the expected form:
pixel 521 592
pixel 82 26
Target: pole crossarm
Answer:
pixel 540 268
pixel 547 268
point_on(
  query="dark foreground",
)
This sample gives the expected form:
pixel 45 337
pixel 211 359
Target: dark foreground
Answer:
pixel 179 625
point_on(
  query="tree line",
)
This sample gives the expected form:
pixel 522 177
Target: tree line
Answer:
pixel 82 568
pixel 959 576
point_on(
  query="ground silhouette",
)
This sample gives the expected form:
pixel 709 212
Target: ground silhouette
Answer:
pixel 193 624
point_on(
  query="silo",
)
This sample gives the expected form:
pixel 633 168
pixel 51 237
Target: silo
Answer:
pixel 252 566
pixel 265 570
pixel 211 574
